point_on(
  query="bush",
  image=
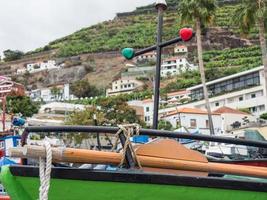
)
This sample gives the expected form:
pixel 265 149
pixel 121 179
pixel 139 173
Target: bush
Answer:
pixel 263 116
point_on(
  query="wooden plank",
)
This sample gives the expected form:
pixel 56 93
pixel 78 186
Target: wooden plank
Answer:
pixel 98 157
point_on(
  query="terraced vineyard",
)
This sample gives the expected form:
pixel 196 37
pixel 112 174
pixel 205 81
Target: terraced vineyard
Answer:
pixel 136 29
pixel 226 62
pixel 219 63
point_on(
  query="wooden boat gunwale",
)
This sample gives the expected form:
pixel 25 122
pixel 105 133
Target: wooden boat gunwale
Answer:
pixel 137 176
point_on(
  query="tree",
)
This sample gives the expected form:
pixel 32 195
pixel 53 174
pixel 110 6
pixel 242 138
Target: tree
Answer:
pixel 113 111
pixel 200 12
pixel 85 117
pixel 165 125
pixel 250 14
pixel 55 92
pixel 11 55
pixel 117 111
pixel 23 105
pixel 82 88
pixel 263 116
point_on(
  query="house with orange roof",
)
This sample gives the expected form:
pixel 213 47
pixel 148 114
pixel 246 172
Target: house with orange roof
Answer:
pixel 180 49
pixel 150 56
pixel 144 110
pixel 233 118
pixel 176 97
pixel 124 85
pixel 193 119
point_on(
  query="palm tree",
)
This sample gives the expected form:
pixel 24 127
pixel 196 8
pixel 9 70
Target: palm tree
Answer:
pixel 200 12
pixel 253 13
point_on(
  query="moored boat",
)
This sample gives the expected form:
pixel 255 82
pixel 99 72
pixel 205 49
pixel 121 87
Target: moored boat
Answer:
pixel 22 183
pixel 127 183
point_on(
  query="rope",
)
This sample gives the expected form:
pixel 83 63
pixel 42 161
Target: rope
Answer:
pixel 45 171
pixel 128 130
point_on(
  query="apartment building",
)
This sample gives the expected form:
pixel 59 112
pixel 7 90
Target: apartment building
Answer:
pixel 124 85
pixel 175 65
pixel 242 90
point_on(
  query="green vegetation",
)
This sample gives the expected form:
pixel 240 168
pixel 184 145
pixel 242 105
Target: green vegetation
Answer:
pixel 83 89
pixel 263 116
pixel 125 97
pixel 165 125
pixel 113 111
pixel 245 110
pixel 136 30
pixel 22 105
pixel 56 92
pixel 219 63
pixel 11 55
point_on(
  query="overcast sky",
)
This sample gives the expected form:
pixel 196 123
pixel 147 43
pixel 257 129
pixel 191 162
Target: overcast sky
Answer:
pixel 29 24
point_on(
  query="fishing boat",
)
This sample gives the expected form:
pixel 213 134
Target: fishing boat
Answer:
pixel 164 174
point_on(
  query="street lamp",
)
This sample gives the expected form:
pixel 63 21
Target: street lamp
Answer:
pixel 161 5
pixel 129 53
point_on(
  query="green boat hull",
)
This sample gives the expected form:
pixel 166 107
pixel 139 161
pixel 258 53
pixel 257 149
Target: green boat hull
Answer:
pixel 27 187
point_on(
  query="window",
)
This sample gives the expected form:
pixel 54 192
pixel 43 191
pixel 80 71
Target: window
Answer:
pixel 241 98
pixel 253 109
pixel 193 123
pixel 217 104
pixel 147 118
pixel 147 109
pixel 262 107
pixel 253 96
pixel 207 124
pixel 116 88
pixel 2 144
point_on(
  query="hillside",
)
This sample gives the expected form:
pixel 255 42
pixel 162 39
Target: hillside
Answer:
pixel 226 50
pixel 133 29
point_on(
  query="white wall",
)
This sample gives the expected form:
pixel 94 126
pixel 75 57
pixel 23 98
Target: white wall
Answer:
pixel 40 66
pixel 230 118
pixel 185 119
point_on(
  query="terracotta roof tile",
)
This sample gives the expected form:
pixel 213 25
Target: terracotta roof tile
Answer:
pixel 191 111
pixel 225 109
pixel 147 101
pixel 177 93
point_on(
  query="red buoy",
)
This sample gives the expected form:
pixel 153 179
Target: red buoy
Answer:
pixel 186 34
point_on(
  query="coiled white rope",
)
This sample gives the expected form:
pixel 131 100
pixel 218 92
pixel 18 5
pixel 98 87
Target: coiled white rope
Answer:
pixel 45 165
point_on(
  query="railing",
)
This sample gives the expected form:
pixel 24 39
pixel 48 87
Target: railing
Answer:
pixel 148 132
pixel 130 163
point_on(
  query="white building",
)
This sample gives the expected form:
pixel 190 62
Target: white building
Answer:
pixel 180 49
pixel 144 110
pixel 242 90
pixel 46 95
pixel 40 66
pixel 177 97
pixel 59 107
pixel 175 65
pixel 137 72
pixel 124 86
pixel 233 119
pixel 194 119
pixel 21 71
pixel 150 56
